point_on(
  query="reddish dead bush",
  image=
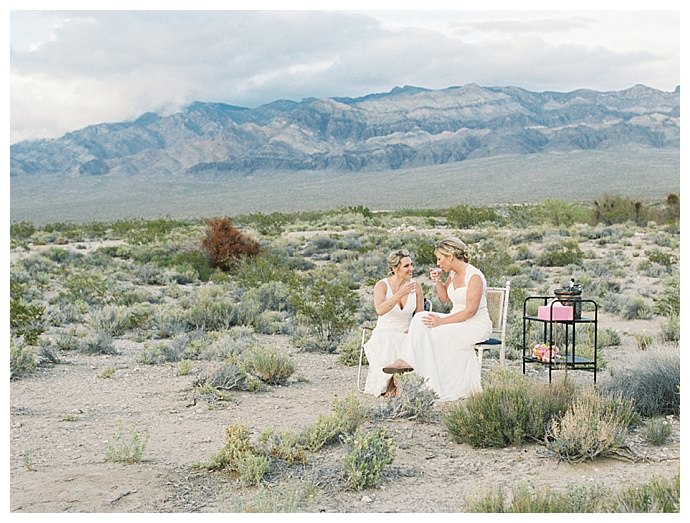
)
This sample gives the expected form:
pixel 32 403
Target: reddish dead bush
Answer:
pixel 224 244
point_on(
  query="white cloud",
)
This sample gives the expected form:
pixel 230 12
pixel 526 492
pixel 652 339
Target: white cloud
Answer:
pixel 74 68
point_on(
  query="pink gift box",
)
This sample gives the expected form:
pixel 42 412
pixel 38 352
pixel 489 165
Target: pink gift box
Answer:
pixel 557 312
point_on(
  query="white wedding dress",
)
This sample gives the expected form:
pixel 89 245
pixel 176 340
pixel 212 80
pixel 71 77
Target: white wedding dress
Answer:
pixel 445 354
pixel 386 342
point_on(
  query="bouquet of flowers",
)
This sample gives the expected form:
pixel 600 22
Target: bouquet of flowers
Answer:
pixel 545 353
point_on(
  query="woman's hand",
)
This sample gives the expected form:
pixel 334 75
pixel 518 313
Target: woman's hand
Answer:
pixel 431 320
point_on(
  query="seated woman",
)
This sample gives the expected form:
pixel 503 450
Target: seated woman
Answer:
pixel 441 346
pixel 396 299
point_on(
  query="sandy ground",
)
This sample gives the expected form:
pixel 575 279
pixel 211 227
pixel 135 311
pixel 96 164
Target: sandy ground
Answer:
pixel 62 418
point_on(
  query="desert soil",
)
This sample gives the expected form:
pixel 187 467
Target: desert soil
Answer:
pixel 63 416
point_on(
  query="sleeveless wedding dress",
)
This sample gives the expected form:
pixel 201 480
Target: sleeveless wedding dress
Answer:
pixel 445 354
pixel 386 342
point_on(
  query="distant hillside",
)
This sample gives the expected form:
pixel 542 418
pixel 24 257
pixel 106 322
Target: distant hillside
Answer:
pixel 644 173
pixel 407 128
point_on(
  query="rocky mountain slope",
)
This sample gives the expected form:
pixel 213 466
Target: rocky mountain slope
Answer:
pixel 405 128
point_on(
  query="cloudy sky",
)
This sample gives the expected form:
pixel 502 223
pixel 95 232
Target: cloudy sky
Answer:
pixel 72 68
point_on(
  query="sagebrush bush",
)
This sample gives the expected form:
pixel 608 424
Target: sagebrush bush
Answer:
pixel 414 400
pixel 651 382
pixel 593 426
pixel 224 244
pixel 269 365
pixel 510 410
pixel 346 416
pixel 369 453
pixel 23 359
pixel 99 342
pixel 561 254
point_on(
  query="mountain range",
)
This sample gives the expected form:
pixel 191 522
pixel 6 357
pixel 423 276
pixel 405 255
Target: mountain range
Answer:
pixel 407 127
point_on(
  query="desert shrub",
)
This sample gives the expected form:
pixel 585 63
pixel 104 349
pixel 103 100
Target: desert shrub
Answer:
pixel 269 365
pixel 23 359
pixel 89 287
pixel 224 244
pixel 466 217
pixel 348 351
pixel 667 302
pixel 345 418
pixel 594 425
pixel 116 319
pixel 610 209
pixel 608 338
pixel 226 376
pixel 656 431
pixel 210 312
pixel 229 345
pixel 21 230
pixel 284 446
pixel 560 254
pixel 510 410
pixel 292 496
pixel 99 342
pixel 327 309
pixel 186 345
pixel 240 457
pixel 670 329
pixel 636 308
pixel 644 341
pixel 369 453
pixel 268 266
pixel 184 367
pixel 127 447
pixel 415 400
pixel 26 320
pixel 149 274
pixel 194 262
pixel 657 495
pixel 652 383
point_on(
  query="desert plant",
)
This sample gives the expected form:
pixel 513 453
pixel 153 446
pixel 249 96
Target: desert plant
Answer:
pixel 184 367
pixel 224 244
pixel 269 365
pixel 560 254
pixel 656 430
pixel 348 351
pixel 636 308
pixel 369 453
pixel 240 457
pixel 327 309
pixel 346 416
pixel 670 329
pixel 652 382
pixel 23 359
pixel 657 495
pixel 415 400
pixel 290 497
pixel 106 373
pixel 644 341
pixel 510 410
pixel 610 209
pixel 26 320
pixel 99 342
pixel 593 426
pixel 127 446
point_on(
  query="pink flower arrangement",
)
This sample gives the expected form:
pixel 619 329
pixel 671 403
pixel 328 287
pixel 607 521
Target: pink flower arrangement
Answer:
pixel 545 353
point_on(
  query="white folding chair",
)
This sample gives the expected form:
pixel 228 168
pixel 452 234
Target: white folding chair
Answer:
pixel 497 303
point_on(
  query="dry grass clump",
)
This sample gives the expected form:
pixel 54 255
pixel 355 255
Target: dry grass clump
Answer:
pixel 127 446
pixel 414 400
pixel 592 426
pixel 657 495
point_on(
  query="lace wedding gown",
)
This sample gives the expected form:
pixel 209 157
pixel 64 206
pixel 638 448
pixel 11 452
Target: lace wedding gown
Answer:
pixel 386 342
pixel 445 354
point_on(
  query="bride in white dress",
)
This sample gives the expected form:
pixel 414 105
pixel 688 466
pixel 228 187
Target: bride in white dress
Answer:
pixel 396 299
pixel 441 346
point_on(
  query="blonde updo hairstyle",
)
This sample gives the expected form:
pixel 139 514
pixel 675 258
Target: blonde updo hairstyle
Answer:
pixel 395 257
pixel 455 247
